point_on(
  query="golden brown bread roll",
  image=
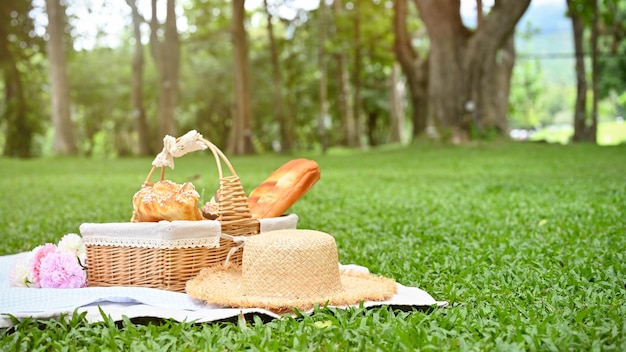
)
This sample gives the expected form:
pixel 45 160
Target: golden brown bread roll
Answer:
pixel 166 200
pixel 283 188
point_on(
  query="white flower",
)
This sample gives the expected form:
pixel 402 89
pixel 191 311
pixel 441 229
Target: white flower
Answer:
pixel 73 243
pixel 18 277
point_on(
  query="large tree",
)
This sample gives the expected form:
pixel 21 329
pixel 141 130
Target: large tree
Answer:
pixel 285 125
pixel 577 11
pixel 63 142
pixel 139 112
pixel 324 117
pixel 166 54
pixel 241 132
pixel 580 105
pixel 414 67
pixel 17 48
pixel 349 136
pixel 604 23
pixel 357 105
pixel 461 64
pixel 396 106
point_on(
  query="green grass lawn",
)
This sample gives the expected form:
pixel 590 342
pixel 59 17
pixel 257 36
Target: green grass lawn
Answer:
pixel 526 241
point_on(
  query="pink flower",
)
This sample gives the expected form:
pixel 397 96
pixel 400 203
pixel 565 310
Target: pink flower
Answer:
pixel 39 253
pixel 61 269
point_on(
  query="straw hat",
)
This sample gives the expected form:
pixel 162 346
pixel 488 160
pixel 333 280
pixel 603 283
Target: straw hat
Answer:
pixel 286 269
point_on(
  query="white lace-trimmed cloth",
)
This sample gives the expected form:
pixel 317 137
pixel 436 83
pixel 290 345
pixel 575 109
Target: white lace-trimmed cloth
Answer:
pixel 161 235
pixel 189 142
pixel 170 234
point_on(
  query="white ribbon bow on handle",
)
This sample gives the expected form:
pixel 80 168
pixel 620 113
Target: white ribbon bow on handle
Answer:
pixel 190 142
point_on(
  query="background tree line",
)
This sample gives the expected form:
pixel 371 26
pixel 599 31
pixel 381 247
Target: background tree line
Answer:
pixel 346 73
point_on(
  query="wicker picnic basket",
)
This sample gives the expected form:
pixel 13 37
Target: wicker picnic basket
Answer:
pixel 162 255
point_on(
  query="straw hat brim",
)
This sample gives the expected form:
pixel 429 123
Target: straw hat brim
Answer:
pixel 222 285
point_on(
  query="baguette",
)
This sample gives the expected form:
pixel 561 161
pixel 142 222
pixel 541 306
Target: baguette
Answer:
pixel 283 188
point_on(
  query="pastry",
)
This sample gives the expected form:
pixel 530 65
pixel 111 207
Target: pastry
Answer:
pixel 210 210
pixel 166 200
pixel 283 188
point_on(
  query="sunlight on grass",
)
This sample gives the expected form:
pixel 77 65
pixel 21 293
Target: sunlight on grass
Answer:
pixel 609 133
pixel 612 133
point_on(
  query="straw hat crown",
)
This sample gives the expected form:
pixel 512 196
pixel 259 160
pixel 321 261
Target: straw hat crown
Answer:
pixel 288 265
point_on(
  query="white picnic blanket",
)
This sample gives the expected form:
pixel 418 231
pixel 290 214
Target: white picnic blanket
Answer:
pixel 138 302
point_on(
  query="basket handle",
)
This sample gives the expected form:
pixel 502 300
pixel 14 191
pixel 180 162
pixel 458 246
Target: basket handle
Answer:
pixel 165 158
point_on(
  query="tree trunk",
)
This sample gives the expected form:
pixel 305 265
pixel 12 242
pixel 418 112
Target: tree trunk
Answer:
pixel 504 73
pixel 396 105
pixel 419 97
pixel 580 105
pixel 485 49
pixel 494 92
pixel 358 66
pixel 241 134
pixel 413 67
pixel 348 130
pixel 324 118
pixel 18 133
pixel 63 141
pixel 462 62
pixel 372 120
pixel 139 112
pixel 592 134
pixel 166 54
pixel 446 87
pixel 285 126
